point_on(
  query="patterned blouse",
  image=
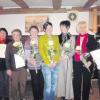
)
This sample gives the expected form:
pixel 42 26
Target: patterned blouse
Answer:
pixel 31 50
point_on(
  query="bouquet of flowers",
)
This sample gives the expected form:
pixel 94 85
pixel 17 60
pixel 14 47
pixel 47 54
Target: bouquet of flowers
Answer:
pixel 67 47
pixel 33 53
pixel 84 59
pixel 51 50
pixel 19 48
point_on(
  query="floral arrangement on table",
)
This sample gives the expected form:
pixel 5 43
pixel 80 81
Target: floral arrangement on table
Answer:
pixel 51 50
pixel 19 48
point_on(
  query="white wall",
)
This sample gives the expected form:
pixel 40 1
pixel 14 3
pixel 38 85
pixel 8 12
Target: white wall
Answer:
pixel 18 21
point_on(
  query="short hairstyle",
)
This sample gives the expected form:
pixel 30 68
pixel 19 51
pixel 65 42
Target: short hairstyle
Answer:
pixel 65 23
pixel 46 24
pixel 4 29
pixel 33 27
pixel 81 23
pixel 17 30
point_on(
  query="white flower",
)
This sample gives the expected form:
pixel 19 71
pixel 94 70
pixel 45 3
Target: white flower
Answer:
pixel 50 42
pixel 99 41
pixel 32 42
pixel 78 48
pixel 67 45
pixel 19 48
pixel 16 44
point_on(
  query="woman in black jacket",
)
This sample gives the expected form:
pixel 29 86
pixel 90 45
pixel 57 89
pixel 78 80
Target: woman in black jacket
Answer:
pixel 85 43
pixel 3 76
pixel 97 37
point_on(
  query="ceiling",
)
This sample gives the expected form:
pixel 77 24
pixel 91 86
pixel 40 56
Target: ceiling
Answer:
pixel 27 6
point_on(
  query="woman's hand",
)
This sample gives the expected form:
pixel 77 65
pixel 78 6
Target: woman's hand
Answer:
pixel 32 61
pixel 78 49
pixel 52 64
pixel 9 72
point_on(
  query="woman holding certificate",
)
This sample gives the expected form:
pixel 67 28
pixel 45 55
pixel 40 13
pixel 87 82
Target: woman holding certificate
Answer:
pixel 3 76
pixel 15 64
pixel 82 64
pixel 34 63
pixel 50 53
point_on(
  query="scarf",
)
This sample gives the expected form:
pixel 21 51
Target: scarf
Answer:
pixel 83 47
pixel 2 41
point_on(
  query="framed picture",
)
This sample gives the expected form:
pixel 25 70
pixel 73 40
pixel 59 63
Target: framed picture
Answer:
pixel 35 20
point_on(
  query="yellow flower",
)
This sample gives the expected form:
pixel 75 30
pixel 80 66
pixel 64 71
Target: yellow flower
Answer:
pixel 16 44
pixel 32 42
pixel 50 42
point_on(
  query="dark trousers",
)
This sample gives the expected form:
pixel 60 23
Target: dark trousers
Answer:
pixel 37 84
pixel 81 81
pixel 4 86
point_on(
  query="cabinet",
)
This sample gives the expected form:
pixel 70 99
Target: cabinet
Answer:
pixel 93 20
pixel 98 20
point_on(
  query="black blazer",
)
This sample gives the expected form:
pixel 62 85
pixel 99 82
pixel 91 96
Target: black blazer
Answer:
pixel 10 61
pixel 91 44
pixel 60 37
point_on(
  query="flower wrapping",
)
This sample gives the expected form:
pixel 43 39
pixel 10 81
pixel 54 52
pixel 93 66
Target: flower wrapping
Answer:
pixel 51 50
pixel 19 48
pixel 33 53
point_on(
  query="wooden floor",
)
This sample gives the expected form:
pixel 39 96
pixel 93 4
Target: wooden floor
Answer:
pixel 94 95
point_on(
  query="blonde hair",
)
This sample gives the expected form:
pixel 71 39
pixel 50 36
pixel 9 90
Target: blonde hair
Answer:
pixel 81 23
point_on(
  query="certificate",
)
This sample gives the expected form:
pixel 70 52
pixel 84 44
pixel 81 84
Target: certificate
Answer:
pixel 96 56
pixel 19 61
pixel 2 50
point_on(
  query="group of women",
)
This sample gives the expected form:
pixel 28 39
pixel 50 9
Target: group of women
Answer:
pixel 56 63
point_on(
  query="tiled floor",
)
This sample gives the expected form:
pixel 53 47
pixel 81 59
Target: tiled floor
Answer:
pixel 94 95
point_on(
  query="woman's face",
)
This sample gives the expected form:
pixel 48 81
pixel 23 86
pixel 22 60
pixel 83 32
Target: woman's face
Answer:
pixel 2 35
pixel 16 36
pixel 64 29
pixel 33 32
pixel 82 28
pixel 49 29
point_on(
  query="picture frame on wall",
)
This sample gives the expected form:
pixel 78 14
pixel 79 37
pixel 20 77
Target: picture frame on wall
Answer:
pixel 37 21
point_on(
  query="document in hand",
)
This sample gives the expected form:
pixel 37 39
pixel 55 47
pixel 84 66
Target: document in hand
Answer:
pixel 2 50
pixel 96 57
pixel 19 61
